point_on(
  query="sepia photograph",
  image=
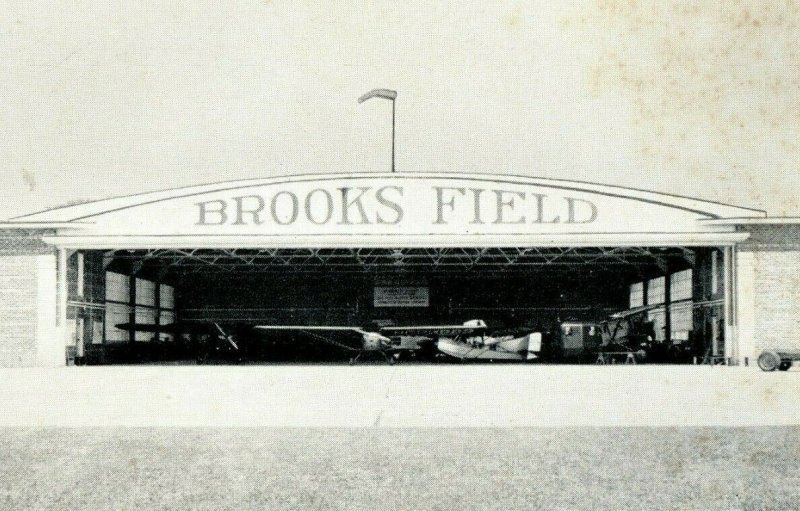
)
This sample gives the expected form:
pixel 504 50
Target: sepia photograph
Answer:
pixel 413 255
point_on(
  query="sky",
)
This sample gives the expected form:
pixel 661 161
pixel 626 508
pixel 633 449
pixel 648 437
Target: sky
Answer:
pixel 698 98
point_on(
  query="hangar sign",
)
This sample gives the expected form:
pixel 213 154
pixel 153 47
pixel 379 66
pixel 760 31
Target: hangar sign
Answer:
pixel 403 296
pixel 364 205
pixel 417 209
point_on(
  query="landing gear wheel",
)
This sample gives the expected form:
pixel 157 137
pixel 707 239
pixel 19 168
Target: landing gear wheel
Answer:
pixel 785 366
pixel 769 361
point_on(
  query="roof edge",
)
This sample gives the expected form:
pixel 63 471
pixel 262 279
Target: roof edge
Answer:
pixel 76 212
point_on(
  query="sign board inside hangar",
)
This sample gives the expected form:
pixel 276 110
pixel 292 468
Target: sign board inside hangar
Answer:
pixel 401 296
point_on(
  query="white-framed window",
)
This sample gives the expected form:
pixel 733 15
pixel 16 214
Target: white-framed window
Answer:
pixel 145 316
pixel 681 320
pixel 680 285
pixel 655 291
pixel 637 294
pixel 167 300
pixel 116 313
pixel 97 331
pixel 166 318
pixel 145 292
pixel 117 287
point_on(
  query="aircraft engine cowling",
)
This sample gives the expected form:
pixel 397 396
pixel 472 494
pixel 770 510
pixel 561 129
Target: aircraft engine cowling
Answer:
pixel 475 323
pixel 375 342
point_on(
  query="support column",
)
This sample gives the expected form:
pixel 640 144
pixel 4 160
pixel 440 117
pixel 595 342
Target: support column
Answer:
pixel 728 282
pixel 132 305
pixel 668 307
pixel 50 349
pixel 745 299
pixel 158 309
pixel 61 316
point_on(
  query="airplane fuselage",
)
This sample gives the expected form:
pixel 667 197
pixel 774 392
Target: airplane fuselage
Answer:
pixel 492 348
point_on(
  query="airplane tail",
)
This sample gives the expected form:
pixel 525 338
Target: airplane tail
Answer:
pixel 534 345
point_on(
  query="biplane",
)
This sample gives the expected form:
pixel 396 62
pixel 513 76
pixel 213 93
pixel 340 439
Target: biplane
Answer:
pixel 629 332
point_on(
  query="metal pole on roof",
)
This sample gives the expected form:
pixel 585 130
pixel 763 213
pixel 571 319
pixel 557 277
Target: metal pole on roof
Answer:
pixel 391 95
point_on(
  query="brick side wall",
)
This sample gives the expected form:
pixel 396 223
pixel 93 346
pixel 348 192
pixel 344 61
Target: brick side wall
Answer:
pixel 19 297
pixel 777 300
pixel 776 270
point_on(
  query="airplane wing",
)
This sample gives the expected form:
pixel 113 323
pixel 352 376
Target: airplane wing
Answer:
pixel 179 328
pixel 172 328
pixel 430 330
pixel 311 331
pixel 634 311
pixel 313 328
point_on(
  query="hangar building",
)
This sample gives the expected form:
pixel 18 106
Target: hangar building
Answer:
pixel 416 248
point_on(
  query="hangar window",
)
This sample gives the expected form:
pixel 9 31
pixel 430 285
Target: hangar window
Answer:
pixel 117 308
pixel 116 313
pixel 97 331
pixel 681 285
pixel 655 291
pixel 681 321
pixel 117 287
pixel 145 293
pixel 637 294
pixel 167 299
pixel 167 309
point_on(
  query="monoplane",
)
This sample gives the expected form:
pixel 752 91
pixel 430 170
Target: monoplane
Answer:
pixel 473 342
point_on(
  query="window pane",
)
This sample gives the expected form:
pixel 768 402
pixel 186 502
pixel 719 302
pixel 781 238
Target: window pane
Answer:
pixel 637 295
pixel 145 292
pixel 681 320
pixel 116 313
pixel 681 285
pixel 655 291
pixel 167 297
pixel 117 288
pixel 145 316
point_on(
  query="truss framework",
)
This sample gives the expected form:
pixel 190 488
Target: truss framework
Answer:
pixel 183 261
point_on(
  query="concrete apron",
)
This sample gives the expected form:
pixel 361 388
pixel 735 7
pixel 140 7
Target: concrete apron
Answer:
pixel 399 396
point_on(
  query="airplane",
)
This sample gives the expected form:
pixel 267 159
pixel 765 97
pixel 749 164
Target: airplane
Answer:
pixel 472 343
pixel 389 341
pixel 465 341
pixel 629 331
pixel 209 337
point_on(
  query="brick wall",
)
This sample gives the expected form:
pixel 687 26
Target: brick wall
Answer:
pixel 777 298
pixel 20 318
pixel 773 253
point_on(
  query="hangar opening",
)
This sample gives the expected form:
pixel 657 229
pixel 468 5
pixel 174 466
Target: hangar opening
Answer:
pixel 664 304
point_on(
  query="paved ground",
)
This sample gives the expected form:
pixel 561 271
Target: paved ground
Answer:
pixel 392 469
pixel 447 437
pixel 399 396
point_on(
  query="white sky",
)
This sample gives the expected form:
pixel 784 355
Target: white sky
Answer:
pixel 694 98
